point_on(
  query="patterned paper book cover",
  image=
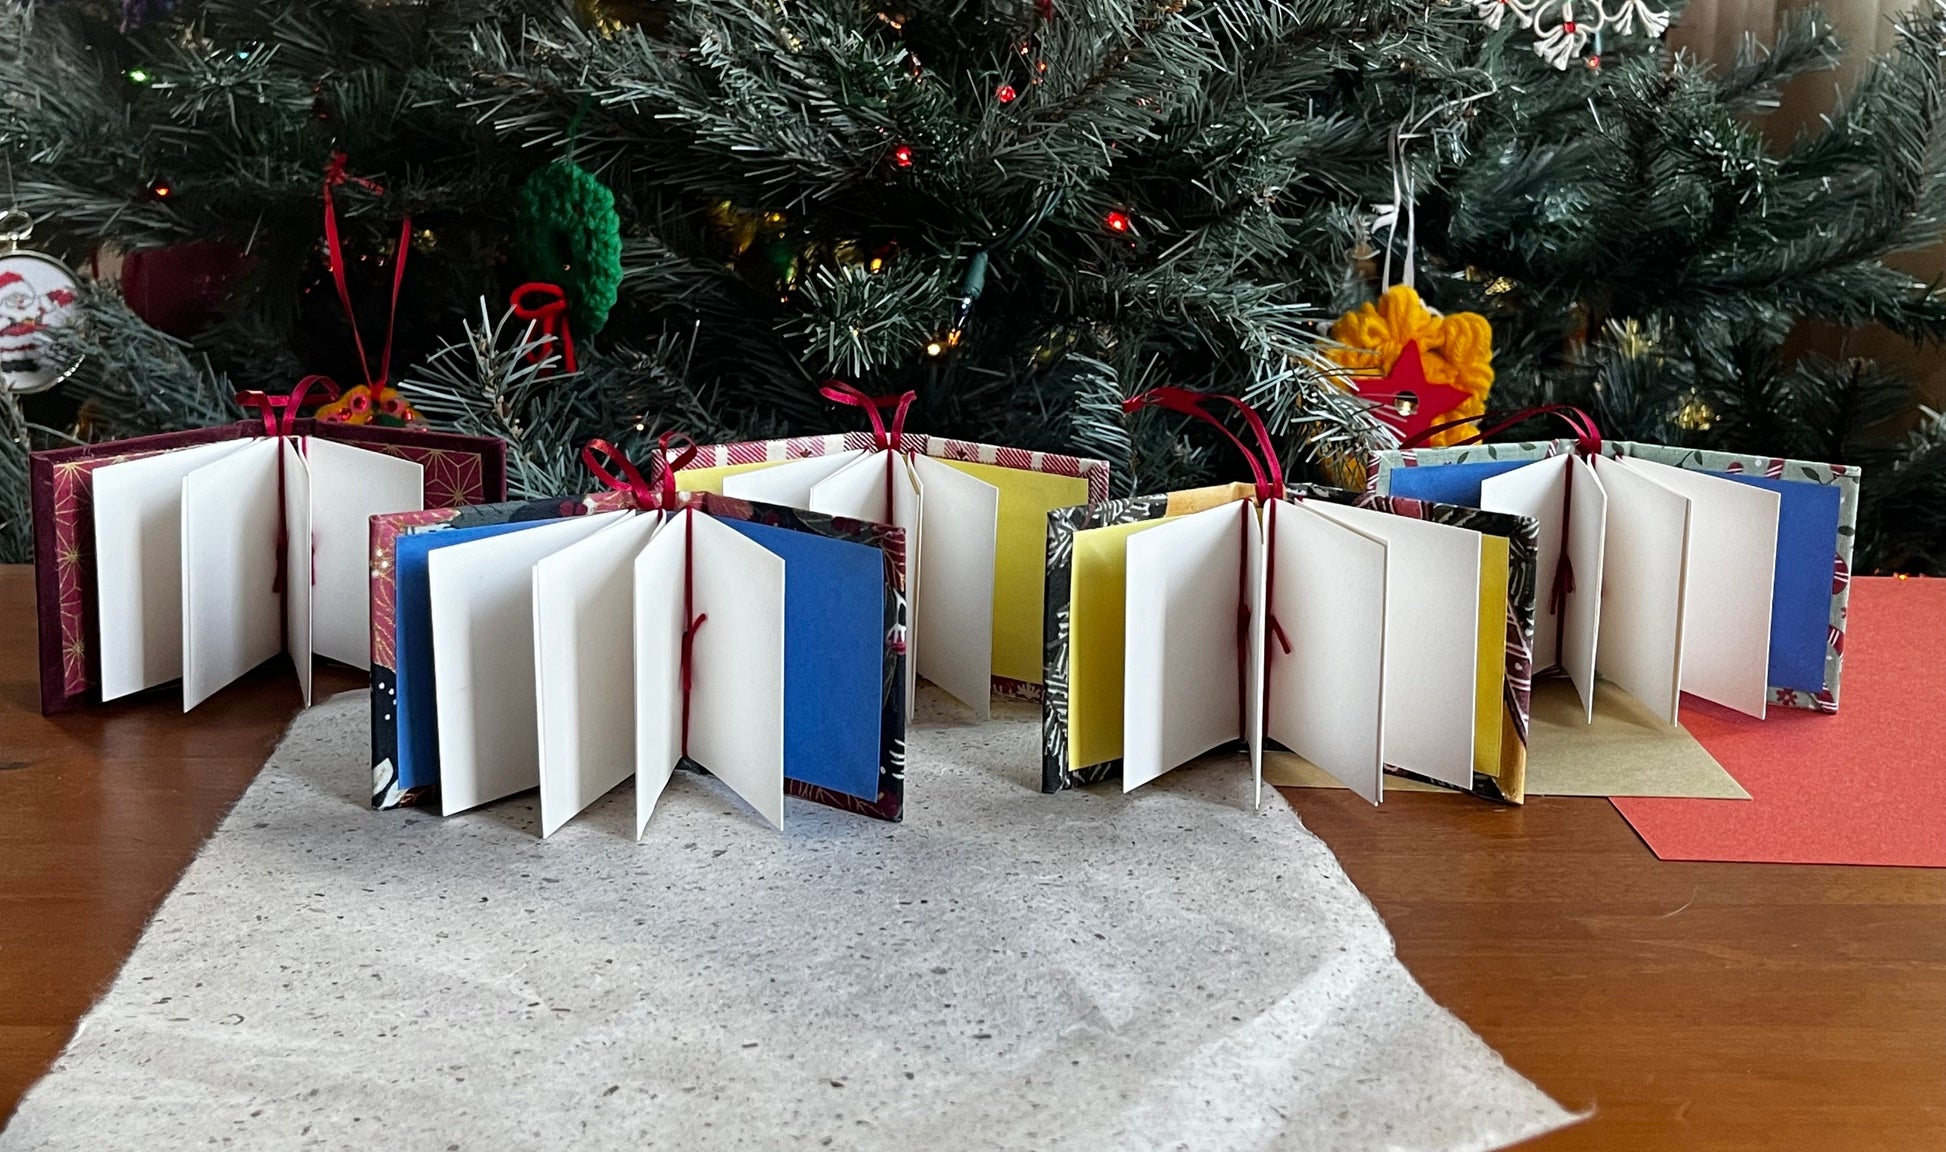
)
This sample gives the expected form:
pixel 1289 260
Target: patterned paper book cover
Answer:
pixel 389 790
pixel 1505 781
pixel 1817 521
pixel 459 470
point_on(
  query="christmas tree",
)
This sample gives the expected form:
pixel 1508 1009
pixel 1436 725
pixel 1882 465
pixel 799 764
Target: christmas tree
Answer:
pixel 1023 210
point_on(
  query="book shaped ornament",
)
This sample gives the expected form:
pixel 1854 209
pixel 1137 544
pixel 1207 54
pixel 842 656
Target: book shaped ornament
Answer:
pixel 571 644
pixel 975 524
pixel 1367 635
pixel 1668 570
pixel 198 555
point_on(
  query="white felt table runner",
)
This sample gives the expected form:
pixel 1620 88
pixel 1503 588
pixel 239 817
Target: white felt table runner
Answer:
pixel 1004 970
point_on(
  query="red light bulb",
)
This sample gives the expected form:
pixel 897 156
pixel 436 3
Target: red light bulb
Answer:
pixel 902 156
pixel 1118 221
pixel 1005 93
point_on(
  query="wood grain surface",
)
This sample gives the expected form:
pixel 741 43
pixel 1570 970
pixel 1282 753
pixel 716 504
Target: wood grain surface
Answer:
pixel 1690 1006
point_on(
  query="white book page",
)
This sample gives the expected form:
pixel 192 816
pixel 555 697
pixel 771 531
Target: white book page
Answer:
pixel 1255 557
pixel 349 486
pixel 138 565
pixel 1727 586
pixel 658 664
pixel 1644 557
pixel 1180 690
pixel 483 659
pixel 954 605
pixel 1538 491
pixel 856 490
pixel 790 483
pixel 1581 618
pixel 1326 700
pixel 584 667
pixel 1432 616
pixel 736 699
pixel 232 615
pixel 298 565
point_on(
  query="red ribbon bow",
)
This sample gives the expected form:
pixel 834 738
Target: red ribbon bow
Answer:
pixel 1587 443
pixel 885 437
pixel 552 316
pixel 334 176
pixel 658 489
pixel 279 413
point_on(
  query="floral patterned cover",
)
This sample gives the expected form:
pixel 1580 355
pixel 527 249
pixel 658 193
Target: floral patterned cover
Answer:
pixel 458 470
pixel 1517 685
pixel 889 804
pixel 1844 477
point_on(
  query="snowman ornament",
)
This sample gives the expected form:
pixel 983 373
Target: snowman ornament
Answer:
pixel 37 295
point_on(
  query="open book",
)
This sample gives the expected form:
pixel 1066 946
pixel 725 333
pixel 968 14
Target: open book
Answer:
pixel 1366 635
pixel 573 644
pixel 199 555
pixel 975 524
pixel 1668 570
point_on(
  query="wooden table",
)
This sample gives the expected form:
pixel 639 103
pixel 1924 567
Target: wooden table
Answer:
pixel 1692 1006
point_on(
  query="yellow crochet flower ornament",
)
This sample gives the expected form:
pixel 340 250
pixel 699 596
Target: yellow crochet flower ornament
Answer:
pixel 1455 350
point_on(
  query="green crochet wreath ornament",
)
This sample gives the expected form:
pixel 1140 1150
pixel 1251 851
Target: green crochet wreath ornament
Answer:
pixel 568 233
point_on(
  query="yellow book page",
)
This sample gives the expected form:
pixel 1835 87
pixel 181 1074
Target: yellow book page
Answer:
pixel 1487 706
pixel 1097 642
pixel 1191 500
pixel 1020 560
pixel 711 479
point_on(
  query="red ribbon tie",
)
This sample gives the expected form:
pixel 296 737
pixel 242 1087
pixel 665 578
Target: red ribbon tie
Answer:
pixel 551 314
pixel 658 490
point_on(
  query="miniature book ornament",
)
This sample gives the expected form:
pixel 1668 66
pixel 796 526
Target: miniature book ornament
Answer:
pixel 1364 634
pixel 1667 570
pixel 573 643
pixel 975 523
pixel 198 555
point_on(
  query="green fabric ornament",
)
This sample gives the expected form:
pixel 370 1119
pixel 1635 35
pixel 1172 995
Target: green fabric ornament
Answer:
pixel 569 234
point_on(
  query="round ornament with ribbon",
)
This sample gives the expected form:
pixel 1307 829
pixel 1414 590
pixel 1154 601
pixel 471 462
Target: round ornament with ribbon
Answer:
pixel 1417 366
pixel 37 295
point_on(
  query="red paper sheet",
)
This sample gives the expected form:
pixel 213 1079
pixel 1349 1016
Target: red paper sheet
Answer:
pixel 1864 786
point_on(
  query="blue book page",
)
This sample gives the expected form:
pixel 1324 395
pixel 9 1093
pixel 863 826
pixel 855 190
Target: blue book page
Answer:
pixel 1800 605
pixel 1449 483
pixel 418 699
pixel 834 657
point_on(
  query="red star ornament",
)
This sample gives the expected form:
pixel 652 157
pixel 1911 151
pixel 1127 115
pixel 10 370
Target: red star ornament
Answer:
pixel 1404 398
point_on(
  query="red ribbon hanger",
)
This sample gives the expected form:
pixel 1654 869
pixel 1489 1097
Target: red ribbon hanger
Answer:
pixel 334 176
pixel 1265 466
pixel 1587 443
pixel 887 438
pixel 1587 437
pixel 552 316
pixel 658 492
pixel 1268 472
